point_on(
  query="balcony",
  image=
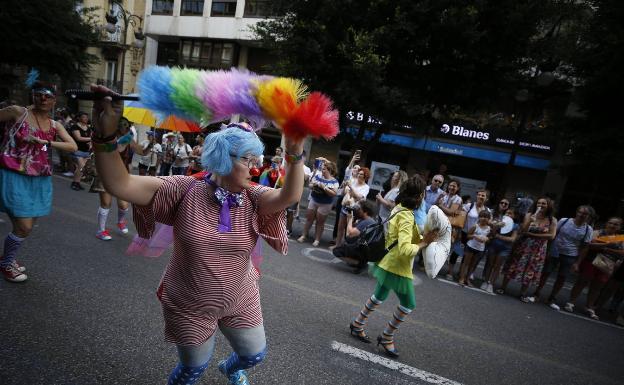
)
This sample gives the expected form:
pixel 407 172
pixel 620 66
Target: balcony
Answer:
pixel 114 38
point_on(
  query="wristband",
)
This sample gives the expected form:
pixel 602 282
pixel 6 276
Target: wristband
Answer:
pixel 104 147
pixel 292 159
pixel 100 140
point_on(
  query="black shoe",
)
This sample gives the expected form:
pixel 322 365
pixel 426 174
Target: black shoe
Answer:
pixel 360 335
pixel 76 186
pixel 359 269
pixel 394 353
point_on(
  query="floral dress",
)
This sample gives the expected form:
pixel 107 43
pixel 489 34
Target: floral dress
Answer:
pixel 529 256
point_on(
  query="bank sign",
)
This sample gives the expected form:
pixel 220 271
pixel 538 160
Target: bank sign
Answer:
pixel 458 132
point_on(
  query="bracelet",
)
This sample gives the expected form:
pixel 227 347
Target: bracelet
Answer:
pixel 100 140
pixel 104 147
pixel 292 159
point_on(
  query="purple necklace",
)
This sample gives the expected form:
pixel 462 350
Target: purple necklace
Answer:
pixel 226 199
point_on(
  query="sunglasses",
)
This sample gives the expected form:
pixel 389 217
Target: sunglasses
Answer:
pixel 437 180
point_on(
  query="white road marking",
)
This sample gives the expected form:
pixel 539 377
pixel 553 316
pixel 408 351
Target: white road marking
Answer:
pixel 394 365
pixel 465 287
pixel 590 320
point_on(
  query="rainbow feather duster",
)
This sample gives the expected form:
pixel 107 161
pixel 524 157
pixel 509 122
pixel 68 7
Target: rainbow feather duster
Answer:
pixel 184 97
pixel 211 96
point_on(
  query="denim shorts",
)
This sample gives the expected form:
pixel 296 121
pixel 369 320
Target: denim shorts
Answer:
pixel 499 248
pixel 562 264
pixel 81 154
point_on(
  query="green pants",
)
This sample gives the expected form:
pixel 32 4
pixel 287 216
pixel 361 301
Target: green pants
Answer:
pixel 407 300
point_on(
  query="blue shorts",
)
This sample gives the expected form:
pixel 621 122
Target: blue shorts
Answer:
pixel 24 196
pixel 81 154
pixel 499 248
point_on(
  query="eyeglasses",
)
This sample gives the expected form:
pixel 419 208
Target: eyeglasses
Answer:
pixel 438 181
pixel 250 162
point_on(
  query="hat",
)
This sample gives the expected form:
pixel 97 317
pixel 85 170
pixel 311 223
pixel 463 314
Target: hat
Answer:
pixel 150 133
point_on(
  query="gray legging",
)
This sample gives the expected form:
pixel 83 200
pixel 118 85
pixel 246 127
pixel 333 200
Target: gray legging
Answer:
pixel 245 342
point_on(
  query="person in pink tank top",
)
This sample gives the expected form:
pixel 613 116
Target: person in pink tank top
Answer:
pixel 27 135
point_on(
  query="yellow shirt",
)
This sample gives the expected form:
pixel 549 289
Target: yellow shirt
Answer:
pixel 400 259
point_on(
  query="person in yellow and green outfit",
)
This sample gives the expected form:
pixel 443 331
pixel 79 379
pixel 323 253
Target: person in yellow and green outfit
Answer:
pixel 394 271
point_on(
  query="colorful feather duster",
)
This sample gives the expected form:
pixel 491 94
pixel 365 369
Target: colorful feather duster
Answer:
pixel 205 96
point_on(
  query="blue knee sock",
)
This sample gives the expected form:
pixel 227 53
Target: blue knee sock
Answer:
pixel 236 362
pixel 186 375
pixel 11 244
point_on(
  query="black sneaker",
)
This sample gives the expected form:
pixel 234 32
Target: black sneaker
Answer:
pixel 76 186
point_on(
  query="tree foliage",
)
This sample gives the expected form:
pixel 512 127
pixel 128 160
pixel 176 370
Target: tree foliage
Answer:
pixel 49 35
pixel 403 60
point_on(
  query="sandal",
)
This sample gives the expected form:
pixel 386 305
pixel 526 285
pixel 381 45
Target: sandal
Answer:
pixel 500 291
pixel 592 314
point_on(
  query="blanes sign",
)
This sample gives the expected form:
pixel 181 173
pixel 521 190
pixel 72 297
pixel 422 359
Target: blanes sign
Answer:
pixel 458 132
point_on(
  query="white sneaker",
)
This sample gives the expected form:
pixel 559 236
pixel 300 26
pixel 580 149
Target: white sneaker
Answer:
pixel 484 286
pixel 554 306
pixel 315 243
pixel 569 307
pixel 490 288
pixel 68 173
pixel 472 277
pixel 531 299
pixel 103 235
pixel 301 239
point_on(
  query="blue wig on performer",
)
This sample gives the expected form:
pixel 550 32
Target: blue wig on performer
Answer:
pixel 237 140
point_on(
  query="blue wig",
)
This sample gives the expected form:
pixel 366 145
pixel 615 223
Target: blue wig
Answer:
pixel 220 146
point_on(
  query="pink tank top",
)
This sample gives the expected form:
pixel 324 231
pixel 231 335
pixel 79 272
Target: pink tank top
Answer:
pixel 24 157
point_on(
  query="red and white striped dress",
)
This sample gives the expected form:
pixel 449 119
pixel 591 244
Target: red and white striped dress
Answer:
pixel 210 278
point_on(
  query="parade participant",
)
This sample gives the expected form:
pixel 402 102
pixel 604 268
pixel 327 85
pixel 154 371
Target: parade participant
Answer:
pixel 25 169
pixel 210 281
pixel 529 254
pixel 394 271
pixel 81 133
pixel 126 141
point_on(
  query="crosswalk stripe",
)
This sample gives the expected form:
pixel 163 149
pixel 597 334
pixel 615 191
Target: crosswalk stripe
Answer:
pixel 394 365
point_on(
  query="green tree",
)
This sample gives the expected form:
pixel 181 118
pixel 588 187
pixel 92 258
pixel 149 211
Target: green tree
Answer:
pixel 410 61
pixel 50 35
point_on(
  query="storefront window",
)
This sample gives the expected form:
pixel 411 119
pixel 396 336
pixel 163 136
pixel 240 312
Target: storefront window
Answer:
pixel 192 8
pixel 223 8
pixel 162 7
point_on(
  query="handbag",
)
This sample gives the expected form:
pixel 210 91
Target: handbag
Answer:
pixel 458 220
pixel 604 264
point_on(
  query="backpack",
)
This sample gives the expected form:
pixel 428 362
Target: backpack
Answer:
pixel 370 245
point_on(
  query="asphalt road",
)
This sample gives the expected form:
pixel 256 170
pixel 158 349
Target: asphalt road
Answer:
pixel 89 315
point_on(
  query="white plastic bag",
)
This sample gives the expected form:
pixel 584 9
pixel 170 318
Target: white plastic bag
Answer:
pixel 437 252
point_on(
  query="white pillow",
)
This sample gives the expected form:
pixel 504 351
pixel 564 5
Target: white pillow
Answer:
pixel 437 252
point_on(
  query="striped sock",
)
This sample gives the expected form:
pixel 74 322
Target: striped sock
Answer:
pixel 397 318
pixel 360 321
pixel 121 215
pixel 11 244
pixel 186 375
pixel 102 216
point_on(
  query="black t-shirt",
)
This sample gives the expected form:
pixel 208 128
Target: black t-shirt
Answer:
pixel 82 146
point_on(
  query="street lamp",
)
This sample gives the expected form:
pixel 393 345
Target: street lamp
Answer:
pixel 128 19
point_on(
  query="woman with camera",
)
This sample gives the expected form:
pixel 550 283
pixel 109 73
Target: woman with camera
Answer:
pixel 182 152
pixel 354 191
pixel 324 187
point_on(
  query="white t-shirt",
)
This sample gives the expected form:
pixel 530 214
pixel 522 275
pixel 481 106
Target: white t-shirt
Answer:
pixel 479 231
pixel 360 189
pixel 571 237
pixel 151 158
pixel 391 195
pixel 181 154
pixel 473 215
pixel 447 201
